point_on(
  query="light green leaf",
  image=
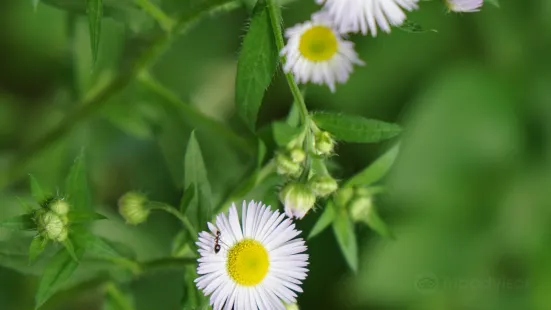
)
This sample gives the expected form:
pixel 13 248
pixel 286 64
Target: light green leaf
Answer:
pixel 256 65
pixel 493 2
pixel 94 10
pixel 70 248
pixel 351 128
pixel 377 170
pixel 195 172
pixel 374 221
pixel 36 248
pixel 284 133
pixel 324 220
pixel 76 185
pixel 20 222
pixel 60 268
pixel 260 154
pixel 36 190
pixel 293 118
pixel 79 217
pixel 346 238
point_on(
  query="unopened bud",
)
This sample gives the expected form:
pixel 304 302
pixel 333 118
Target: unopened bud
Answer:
pixel 132 207
pixel 323 143
pixel 297 155
pixel 286 166
pixel 323 185
pixel 291 306
pixel 360 208
pixel 343 197
pixel 60 207
pixel 298 199
pixel 52 227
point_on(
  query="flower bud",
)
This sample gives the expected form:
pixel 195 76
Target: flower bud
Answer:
pixel 286 166
pixel 297 155
pixel 52 227
pixel 323 185
pixel 360 208
pixel 132 207
pixel 343 197
pixel 291 306
pixel 323 143
pixel 59 207
pixel 298 199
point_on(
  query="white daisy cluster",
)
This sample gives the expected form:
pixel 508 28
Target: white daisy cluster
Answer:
pixel 317 50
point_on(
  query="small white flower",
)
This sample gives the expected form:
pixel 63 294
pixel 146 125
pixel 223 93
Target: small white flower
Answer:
pixel 367 15
pixel 467 6
pixel 317 53
pixel 257 263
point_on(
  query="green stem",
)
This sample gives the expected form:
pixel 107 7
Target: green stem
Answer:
pixel 153 205
pixel 273 10
pixel 92 103
pixel 117 296
pixel 156 13
pixel 193 115
pixel 168 262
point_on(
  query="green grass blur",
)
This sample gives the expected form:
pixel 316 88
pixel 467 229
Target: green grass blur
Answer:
pixel 469 197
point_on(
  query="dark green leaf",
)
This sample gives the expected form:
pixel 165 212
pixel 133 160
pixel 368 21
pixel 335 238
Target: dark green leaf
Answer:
pixel 94 10
pixel 36 248
pixel 351 128
pixel 60 268
pixel 20 222
pixel 346 238
pixel 284 133
pixel 260 154
pixel 324 220
pixel 36 190
pixel 195 172
pixel 76 185
pixel 376 170
pixel 79 217
pixel 187 197
pixel 256 65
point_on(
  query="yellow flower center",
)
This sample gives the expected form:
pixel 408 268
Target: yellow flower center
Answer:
pixel 318 43
pixel 248 262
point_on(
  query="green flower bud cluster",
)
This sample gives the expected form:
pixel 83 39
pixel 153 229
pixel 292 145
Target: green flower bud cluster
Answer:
pixel 52 221
pixel 299 198
pixel 323 143
pixel 133 208
pixel 289 163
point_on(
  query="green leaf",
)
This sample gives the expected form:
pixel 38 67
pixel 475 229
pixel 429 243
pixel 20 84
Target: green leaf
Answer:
pixel 36 248
pixel 195 172
pixel 493 2
pixel 94 10
pixel 20 222
pixel 284 133
pixel 376 170
pixel 374 221
pixel 70 248
pixel 79 217
pixel 346 238
pixel 413 27
pixel 256 65
pixel 324 220
pixel 260 154
pixel 351 128
pixel 76 185
pixel 36 190
pixel 115 299
pixel 60 268
pixel 26 207
pixel 187 197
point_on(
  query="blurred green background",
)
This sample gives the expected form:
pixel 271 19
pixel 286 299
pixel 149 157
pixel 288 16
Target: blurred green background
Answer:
pixel 469 197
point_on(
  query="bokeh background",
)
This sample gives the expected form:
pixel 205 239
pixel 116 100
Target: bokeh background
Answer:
pixel 469 196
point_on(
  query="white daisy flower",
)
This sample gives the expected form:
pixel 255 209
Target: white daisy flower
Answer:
pixel 467 6
pixel 317 53
pixel 257 263
pixel 367 15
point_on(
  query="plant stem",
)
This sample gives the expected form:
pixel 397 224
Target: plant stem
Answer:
pixel 92 103
pixel 156 13
pixel 154 205
pixel 168 262
pixel 117 296
pixel 275 18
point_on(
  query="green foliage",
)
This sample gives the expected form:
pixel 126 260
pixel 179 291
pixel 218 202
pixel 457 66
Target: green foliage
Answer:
pixel 36 248
pixel 324 221
pixel 378 169
pixel 346 238
pixel 80 217
pixel 256 66
pixel 284 133
pixel 76 185
pixel 94 10
pixel 493 2
pixel 21 222
pixel 357 129
pixel 36 190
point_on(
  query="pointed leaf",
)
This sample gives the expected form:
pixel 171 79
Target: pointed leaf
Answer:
pixel 115 299
pixel 374 221
pixel 256 65
pixel 36 190
pixel 60 268
pixel 187 197
pixel 195 172
pixel 94 10
pixel 351 128
pixel 20 222
pixel 324 220
pixel 78 217
pixel 76 185
pixel 284 133
pixel 36 248
pixel 377 170
pixel 26 207
pixel 346 238
pixel 70 249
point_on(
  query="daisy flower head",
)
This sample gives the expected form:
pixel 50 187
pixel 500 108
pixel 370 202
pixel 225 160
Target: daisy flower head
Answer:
pixel 367 15
pixel 467 6
pixel 317 53
pixel 255 263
